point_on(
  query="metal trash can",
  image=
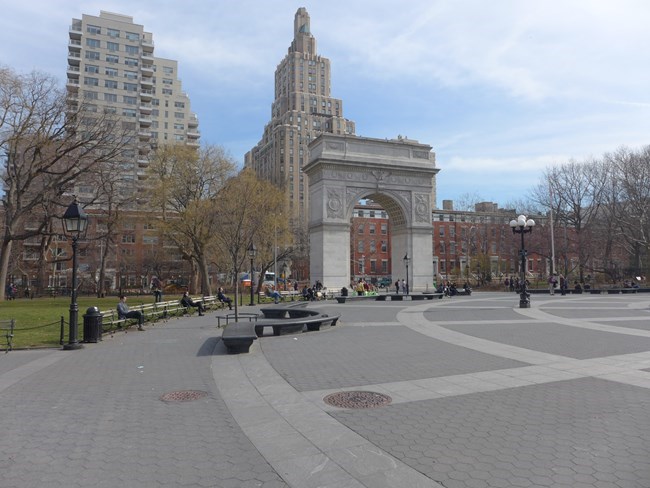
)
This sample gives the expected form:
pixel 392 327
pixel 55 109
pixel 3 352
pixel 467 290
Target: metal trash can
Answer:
pixel 92 325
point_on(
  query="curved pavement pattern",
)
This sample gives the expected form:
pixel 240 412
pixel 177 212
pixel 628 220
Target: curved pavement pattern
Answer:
pixel 484 394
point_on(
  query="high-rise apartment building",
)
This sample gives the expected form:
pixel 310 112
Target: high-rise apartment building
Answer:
pixel 303 108
pixel 112 68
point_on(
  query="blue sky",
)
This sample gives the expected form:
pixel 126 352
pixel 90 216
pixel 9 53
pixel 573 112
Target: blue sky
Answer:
pixel 500 89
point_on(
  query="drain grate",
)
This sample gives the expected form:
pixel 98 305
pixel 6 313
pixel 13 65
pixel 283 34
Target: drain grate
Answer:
pixel 183 396
pixel 357 399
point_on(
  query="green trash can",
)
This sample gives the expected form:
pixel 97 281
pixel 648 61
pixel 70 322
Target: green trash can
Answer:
pixel 92 325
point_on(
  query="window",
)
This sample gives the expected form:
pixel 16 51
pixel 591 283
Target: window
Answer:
pixel 91 81
pixel 91 68
pixel 132 36
pixel 359 246
pixel 179 115
pixel 130 100
pixel 384 229
pixel 132 49
pixel 131 75
pixel 112 58
pixel 131 86
pixel 168 70
pixel 93 55
pixel 149 240
pixel 372 228
pixel 443 250
pixel 113 46
pixel 93 29
pixel 441 231
pixel 384 246
pixel 128 112
pixel 166 91
pixel 167 81
pixel 452 232
pixel 94 43
pixel 179 137
pixel 128 238
pixel 179 126
pixel 130 61
pixel 179 104
pixel 110 72
pixel 112 32
pixel 384 266
pixel 110 97
pixel 373 246
pixel 360 229
pixel 110 84
pixel 373 266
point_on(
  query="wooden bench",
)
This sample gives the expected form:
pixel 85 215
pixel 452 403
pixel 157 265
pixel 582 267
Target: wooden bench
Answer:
pixel 310 319
pixel 238 337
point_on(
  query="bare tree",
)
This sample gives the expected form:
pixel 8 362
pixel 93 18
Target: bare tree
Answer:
pixel 46 144
pixel 185 186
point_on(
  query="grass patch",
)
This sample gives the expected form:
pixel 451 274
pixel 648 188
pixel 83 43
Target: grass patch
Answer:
pixel 38 321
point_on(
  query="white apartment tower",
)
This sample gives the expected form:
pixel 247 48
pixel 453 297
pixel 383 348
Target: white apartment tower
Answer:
pixel 303 108
pixel 111 66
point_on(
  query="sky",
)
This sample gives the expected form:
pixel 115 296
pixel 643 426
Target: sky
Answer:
pixel 501 89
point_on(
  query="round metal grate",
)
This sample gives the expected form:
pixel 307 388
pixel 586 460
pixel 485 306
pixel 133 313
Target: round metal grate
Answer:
pixel 357 399
pixel 183 396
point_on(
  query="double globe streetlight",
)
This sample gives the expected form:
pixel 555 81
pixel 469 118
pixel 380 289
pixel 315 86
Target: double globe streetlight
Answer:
pixel 522 226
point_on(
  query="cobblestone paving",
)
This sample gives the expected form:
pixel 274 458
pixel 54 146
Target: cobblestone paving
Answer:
pixel 342 357
pixel 95 419
pixel 581 433
pixel 554 339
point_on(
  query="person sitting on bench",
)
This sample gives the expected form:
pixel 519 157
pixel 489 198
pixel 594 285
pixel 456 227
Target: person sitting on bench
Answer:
pixel 123 312
pixel 187 302
pixel 224 299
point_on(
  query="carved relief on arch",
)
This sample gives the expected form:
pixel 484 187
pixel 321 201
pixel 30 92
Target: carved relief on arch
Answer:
pixel 335 207
pixel 422 207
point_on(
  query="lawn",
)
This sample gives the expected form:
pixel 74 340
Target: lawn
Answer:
pixel 38 321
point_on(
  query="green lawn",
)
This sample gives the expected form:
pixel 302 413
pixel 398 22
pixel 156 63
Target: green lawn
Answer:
pixel 38 321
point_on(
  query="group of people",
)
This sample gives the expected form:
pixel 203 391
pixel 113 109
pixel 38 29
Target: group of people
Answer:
pixel 401 287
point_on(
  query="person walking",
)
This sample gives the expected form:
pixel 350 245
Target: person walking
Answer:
pixel 123 312
pixel 552 283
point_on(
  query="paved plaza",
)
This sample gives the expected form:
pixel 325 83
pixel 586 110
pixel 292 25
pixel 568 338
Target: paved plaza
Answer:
pixel 474 392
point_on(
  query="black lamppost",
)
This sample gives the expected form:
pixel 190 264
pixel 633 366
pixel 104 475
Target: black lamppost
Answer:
pixel 252 252
pixel 406 263
pixel 522 226
pixel 75 223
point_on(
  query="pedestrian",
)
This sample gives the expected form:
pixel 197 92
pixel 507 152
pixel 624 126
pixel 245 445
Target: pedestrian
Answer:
pixel 552 283
pixel 402 286
pixel 123 312
pixel 397 287
pixel 563 285
pixel 187 302
pixel 224 299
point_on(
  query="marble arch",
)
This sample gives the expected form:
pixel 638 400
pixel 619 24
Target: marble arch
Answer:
pixel 397 174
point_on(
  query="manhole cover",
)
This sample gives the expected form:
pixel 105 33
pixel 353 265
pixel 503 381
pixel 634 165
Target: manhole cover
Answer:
pixel 357 399
pixel 183 396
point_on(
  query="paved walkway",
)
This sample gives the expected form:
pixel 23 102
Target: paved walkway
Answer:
pixel 483 394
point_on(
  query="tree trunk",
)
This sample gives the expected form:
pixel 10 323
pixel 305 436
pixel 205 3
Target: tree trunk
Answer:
pixel 5 253
pixel 204 276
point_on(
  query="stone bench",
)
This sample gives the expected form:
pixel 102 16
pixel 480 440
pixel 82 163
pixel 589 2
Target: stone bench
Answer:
pixel 354 298
pixel 239 336
pixel 312 322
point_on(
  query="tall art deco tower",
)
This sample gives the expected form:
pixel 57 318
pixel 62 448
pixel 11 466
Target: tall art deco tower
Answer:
pixel 303 109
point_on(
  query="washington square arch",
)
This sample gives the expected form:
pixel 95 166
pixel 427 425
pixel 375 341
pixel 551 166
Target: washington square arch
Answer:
pixel 397 174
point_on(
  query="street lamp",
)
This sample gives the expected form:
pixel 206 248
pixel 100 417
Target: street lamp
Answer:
pixel 252 251
pixel 406 263
pixel 522 226
pixel 75 223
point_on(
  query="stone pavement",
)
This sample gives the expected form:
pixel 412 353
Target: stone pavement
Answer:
pixel 482 394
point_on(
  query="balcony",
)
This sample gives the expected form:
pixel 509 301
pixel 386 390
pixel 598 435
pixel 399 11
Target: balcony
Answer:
pixel 76 30
pixel 74 44
pixel 72 85
pixel 144 121
pixel 193 134
pixel 74 58
pixel 143 162
pixel 147 71
pixel 145 108
pixel 146 82
pixel 146 94
pixel 193 121
pixel 73 72
pixel 144 134
pixel 147 45
pixel 147 57
pixel 193 144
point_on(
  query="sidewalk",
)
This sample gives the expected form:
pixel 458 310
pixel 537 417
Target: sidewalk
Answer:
pixel 481 394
